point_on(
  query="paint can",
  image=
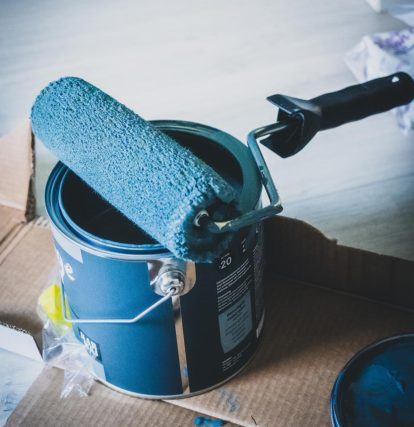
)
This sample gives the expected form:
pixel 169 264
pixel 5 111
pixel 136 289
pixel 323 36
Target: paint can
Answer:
pixel 112 273
pixel 376 387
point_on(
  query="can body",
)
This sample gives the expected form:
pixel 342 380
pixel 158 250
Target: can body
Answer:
pixel 192 342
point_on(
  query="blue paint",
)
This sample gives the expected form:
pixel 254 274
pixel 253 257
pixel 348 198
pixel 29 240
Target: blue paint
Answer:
pixel 208 422
pixel 154 181
pixel 376 388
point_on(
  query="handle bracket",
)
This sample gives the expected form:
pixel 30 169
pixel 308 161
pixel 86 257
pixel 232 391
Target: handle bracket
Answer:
pixel 203 219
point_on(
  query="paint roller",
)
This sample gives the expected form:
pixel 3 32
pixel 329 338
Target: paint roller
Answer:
pixel 161 186
pixel 146 175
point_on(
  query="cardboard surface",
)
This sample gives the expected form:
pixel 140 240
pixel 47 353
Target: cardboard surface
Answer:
pixel 324 303
pixel 10 218
pixel 42 406
pixel 17 171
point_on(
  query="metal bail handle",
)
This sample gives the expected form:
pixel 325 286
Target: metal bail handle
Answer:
pixel 173 291
pixel 203 219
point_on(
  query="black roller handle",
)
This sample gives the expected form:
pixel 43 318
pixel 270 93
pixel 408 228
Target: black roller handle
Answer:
pixel 363 100
pixel 306 118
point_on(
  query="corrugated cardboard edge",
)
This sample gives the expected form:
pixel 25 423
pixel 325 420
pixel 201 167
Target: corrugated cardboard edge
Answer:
pixel 17 165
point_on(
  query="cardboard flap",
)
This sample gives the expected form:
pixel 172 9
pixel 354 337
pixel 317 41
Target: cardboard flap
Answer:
pixel 17 170
pixel 297 250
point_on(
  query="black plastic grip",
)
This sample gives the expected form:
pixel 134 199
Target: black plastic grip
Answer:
pixel 363 100
pixel 302 119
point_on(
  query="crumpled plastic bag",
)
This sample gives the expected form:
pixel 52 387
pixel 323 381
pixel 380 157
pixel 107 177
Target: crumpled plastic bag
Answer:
pixel 382 54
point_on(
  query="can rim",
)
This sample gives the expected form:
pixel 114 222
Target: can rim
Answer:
pixel 112 249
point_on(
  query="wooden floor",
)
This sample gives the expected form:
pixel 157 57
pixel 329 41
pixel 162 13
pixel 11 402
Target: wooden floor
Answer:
pixel 214 62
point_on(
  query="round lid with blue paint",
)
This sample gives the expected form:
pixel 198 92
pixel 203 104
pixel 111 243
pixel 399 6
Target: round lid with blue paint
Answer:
pixel 376 387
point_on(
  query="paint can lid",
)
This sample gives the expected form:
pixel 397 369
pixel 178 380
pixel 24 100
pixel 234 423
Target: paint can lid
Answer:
pixel 376 387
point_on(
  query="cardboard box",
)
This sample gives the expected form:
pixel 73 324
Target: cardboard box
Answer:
pixel 324 303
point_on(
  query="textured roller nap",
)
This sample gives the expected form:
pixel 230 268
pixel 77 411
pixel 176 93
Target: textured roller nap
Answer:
pixel 145 174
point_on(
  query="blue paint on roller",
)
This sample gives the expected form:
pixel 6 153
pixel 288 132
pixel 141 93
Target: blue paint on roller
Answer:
pixel 156 183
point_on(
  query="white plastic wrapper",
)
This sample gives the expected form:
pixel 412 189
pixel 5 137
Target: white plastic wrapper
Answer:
pixel 64 351
pixel 382 54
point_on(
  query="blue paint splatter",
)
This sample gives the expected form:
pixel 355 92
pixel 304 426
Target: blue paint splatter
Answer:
pixel 203 421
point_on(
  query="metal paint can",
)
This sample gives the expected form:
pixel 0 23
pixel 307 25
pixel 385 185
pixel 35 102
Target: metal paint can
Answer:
pixel 112 271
